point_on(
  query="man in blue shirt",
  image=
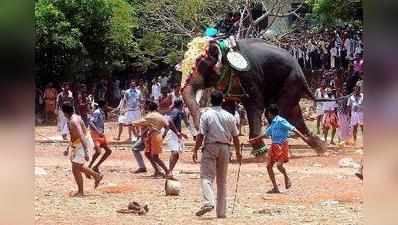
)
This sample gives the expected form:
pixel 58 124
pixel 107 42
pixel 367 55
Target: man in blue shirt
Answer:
pixel 97 131
pixel 279 152
pixel 132 102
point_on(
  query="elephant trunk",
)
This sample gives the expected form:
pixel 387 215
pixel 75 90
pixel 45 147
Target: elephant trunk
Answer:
pixel 188 94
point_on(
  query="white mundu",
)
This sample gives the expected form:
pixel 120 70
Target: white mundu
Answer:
pixel 132 99
pixel 356 109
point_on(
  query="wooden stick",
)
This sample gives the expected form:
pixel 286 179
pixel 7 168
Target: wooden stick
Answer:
pixel 237 181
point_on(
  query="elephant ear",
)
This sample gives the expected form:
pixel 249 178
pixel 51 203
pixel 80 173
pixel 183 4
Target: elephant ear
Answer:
pixel 238 61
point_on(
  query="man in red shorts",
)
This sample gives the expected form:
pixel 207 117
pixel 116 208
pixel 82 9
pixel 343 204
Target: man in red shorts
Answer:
pixel 279 152
pixel 97 130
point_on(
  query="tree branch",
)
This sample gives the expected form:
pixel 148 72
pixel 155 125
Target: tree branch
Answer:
pixel 294 12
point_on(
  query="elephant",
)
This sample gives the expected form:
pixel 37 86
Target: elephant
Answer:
pixel 274 77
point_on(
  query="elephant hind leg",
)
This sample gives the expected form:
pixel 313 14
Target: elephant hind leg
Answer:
pixel 296 119
pixel 294 115
pixel 289 108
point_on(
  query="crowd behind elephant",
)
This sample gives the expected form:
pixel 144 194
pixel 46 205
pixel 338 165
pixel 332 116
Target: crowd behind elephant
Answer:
pixel 333 63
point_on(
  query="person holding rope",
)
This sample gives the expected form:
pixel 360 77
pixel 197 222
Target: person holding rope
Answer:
pixel 97 131
pixel 217 129
pixel 279 152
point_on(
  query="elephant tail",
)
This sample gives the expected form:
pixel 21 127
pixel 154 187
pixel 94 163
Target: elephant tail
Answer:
pixel 307 90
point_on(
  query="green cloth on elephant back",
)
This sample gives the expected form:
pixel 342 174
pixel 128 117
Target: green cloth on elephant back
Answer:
pixel 224 46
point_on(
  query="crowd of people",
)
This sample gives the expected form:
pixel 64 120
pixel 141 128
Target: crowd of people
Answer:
pixel 85 94
pixel 329 49
pixel 337 55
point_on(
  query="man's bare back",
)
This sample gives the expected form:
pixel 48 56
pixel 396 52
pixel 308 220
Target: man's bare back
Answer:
pixel 77 128
pixel 79 146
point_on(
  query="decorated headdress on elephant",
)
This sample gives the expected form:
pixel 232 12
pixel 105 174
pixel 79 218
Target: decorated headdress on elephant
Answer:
pixel 214 59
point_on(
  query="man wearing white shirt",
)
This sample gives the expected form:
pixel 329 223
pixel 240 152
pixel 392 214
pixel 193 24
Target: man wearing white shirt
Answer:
pixel 333 55
pixel 132 100
pixel 348 45
pixel 356 104
pixel 217 130
pixel 65 96
pixel 155 92
pixel 319 93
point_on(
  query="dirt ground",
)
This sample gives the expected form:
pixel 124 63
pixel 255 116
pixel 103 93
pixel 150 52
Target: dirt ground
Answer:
pixel 322 192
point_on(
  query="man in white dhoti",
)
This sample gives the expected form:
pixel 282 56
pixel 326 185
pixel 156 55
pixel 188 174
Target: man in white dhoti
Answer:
pixel 64 97
pixel 132 101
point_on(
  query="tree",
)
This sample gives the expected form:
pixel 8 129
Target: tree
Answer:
pixel 335 12
pixel 82 36
pixel 190 18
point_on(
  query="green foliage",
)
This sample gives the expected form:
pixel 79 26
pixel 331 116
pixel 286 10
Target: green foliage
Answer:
pixel 168 25
pixel 80 36
pixel 123 22
pixel 333 12
pixel 151 43
pixel 52 28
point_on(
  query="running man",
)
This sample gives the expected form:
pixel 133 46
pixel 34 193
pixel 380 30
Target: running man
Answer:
pixel 97 130
pixel 279 152
pixel 329 120
pixel 175 144
pixel 80 143
pixel 153 123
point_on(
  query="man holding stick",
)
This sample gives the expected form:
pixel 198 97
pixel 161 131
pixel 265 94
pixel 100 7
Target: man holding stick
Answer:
pixel 217 129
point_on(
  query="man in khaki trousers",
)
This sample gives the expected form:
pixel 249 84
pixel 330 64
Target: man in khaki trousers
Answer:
pixel 217 129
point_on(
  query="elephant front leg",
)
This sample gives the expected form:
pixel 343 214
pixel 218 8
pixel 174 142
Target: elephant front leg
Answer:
pixel 254 116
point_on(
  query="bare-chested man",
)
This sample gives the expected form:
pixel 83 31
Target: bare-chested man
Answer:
pixel 80 144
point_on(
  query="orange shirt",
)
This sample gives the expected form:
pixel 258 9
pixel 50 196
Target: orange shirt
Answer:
pixel 152 120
